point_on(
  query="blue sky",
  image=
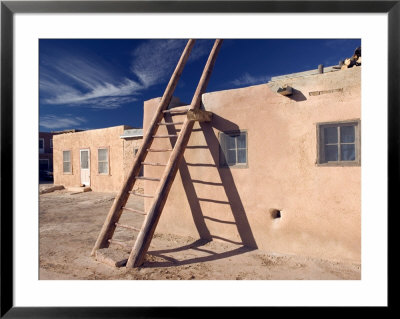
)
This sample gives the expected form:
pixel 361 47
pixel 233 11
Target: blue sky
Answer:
pixel 91 83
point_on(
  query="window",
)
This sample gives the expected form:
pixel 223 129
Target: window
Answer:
pixel 67 162
pixel 233 151
pixel 43 164
pixel 51 143
pixel 41 145
pixel 339 143
pixel 103 160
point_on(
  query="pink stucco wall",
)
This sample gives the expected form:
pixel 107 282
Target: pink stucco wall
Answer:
pixel 120 157
pixel 320 206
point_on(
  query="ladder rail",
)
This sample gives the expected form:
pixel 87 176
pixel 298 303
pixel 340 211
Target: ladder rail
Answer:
pixel 143 240
pixel 115 212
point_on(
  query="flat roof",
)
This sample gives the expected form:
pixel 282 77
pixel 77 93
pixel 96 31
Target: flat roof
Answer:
pixel 328 69
pixel 135 132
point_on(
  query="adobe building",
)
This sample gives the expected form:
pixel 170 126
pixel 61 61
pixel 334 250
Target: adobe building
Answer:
pixel 99 159
pixel 46 148
pixel 46 151
pixel 278 168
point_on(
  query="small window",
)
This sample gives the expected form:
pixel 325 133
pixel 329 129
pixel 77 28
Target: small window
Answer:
pixel 67 162
pixel 339 143
pixel 43 164
pixel 233 151
pixel 41 145
pixel 51 143
pixel 103 160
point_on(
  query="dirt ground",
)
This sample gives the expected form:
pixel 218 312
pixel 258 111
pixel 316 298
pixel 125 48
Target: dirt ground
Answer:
pixel 70 224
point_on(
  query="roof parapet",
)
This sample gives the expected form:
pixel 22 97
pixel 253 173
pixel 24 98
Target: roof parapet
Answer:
pixel 328 69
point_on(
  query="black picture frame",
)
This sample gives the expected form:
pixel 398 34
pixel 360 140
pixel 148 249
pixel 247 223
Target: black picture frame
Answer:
pixel 9 8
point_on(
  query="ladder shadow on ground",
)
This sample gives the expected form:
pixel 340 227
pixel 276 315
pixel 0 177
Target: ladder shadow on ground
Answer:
pixel 248 242
pixel 197 246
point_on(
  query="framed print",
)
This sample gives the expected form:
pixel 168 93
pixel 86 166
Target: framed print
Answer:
pixel 291 153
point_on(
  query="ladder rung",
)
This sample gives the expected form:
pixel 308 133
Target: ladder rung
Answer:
pixel 127 226
pixel 170 123
pixel 159 150
pixel 148 178
pixel 164 136
pixel 141 195
pixel 134 210
pixel 120 243
pixel 153 164
pixel 173 112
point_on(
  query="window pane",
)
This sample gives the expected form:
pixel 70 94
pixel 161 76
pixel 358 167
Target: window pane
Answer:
pixel 330 134
pixel 66 167
pixel 347 152
pixel 231 158
pixel 331 153
pixel 103 155
pixel 103 167
pixel 242 156
pixel 241 140
pixel 230 142
pixel 347 134
pixel 84 159
pixel 233 148
pixel 40 143
pixel 66 156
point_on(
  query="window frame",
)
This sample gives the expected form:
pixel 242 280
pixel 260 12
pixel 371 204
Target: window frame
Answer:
pixel 70 161
pixel 51 143
pixel 223 163
pixel 108 160
pixel 41 150
pixel 357 142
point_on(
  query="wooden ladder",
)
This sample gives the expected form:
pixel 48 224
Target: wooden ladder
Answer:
pixel 146 232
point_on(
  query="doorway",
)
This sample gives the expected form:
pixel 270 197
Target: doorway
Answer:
pixel 85 167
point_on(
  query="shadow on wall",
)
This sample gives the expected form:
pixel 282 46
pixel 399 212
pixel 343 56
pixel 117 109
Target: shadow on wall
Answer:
pixel 225 174
pixel 248 242
pixel 297 96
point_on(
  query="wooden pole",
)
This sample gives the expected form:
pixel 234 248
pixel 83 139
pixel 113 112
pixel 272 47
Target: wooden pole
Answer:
pixel 143 240
pixel 115 212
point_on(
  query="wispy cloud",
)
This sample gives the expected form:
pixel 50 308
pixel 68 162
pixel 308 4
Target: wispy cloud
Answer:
pixel 154 61
pixel 61 122
pixel 105 94
pixel 72 80
pixel 90 81
pixel 248 79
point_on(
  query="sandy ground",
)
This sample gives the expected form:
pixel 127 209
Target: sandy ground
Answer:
pixel 70 224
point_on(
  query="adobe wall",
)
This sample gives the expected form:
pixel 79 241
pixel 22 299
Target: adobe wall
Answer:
pixel 93 140
pixel 320 206
pixel 48 151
